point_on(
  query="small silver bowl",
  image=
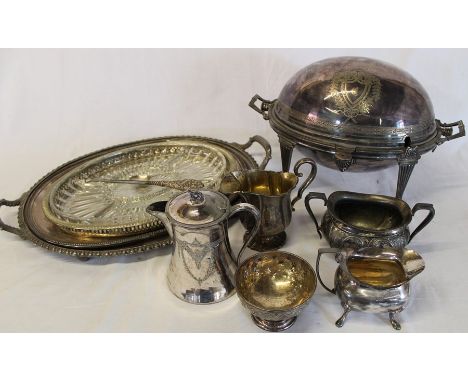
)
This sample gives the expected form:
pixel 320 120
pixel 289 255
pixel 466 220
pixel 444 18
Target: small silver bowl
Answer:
pixel 275 287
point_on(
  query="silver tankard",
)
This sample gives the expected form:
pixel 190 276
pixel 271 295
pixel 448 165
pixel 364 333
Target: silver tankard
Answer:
pixel 270 192
pixel 202 267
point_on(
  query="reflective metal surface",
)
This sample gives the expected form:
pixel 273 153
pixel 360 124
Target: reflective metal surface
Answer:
pixel 116 209
pixel 275 287
pixel 375 280
pixel 270 192
pixel 365 220
pixel 356 114
pixel 35 227
pixel 202 265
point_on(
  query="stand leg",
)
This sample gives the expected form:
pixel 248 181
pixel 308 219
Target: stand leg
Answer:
pixel 406 162
pixel 396 325
pixel 340 322
pixel 286 147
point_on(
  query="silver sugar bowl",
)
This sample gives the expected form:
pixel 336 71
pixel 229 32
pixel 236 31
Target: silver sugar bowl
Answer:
pixel 365 220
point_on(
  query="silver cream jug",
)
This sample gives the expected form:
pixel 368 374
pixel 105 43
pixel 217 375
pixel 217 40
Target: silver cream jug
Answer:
pixel 202 268
pixel 375 280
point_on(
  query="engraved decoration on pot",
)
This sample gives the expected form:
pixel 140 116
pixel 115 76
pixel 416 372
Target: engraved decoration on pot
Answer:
pixel 365 220
pixel 374 280
pixel 356 114
pixel 202 265
pixel 270 192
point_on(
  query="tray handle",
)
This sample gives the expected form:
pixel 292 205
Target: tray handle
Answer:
pixel 262 142
pixel 446 130
pixel 6 227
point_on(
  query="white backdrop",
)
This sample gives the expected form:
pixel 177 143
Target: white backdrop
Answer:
pixel 59 104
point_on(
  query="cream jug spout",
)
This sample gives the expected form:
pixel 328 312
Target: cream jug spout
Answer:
pixel 412 262
pixel 158 210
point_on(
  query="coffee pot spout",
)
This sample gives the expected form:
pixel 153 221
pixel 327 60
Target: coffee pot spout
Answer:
pixel 412 262
pixel 158 210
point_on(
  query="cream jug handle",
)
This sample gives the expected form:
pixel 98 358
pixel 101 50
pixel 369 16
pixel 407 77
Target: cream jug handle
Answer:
pixel 314 195
pixel 321 251
pixel 246 207
pixel 308 180
pixel 426 221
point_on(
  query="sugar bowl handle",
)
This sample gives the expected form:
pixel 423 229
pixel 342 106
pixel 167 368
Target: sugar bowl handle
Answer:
pixel 315 195
pixel 308 180
pixel 426 221
pixel 246 207
pixel 337 253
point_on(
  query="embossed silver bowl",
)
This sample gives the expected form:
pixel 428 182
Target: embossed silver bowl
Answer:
pixel 365 220
pixel 356 114
pixel 275 287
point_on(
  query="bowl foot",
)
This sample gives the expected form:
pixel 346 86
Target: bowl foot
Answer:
pixel 267 243
pixel 273 326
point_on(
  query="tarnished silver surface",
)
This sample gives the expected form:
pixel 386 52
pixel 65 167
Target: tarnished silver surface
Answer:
pixel 365 220
pixel 35 227
pixel 202 266
pixel 355 114
pixel 375 280
pixel 275 287
pixel 116 209
pixel 270 192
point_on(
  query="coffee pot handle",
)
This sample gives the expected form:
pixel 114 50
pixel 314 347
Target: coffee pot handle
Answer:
pixel 308 180
pixel 246 207
pixel 426 221
pixel 337 253
pixel 314 195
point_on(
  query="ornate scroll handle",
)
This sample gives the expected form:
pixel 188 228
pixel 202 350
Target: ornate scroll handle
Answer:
pixel 446 130
pixel 264 106
pixel 256 214
pixel 308 180
pixel 5 227
pixel 337 252
pixel 262 142
pixel 426 221
pixel 315 195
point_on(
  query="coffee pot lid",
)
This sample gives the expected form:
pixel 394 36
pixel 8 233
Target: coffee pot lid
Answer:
pixel 198 207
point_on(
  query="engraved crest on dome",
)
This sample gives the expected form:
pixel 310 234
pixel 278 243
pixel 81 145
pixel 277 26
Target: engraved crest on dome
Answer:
pixel 354 93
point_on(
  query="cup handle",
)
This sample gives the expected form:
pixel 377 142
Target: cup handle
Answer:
pixel 309 179
pixel 321 251
pixel 256 214
pixel 426 221
pixel 314 195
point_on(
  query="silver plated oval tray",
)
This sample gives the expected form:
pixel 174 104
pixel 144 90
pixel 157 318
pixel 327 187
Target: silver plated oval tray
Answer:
pixel 113 209
pixel 35 227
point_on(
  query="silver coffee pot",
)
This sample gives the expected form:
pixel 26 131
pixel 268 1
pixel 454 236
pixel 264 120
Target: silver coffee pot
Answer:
pixel 202 268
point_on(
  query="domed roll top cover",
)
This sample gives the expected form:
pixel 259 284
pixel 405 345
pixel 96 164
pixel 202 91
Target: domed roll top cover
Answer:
pixel 357 99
